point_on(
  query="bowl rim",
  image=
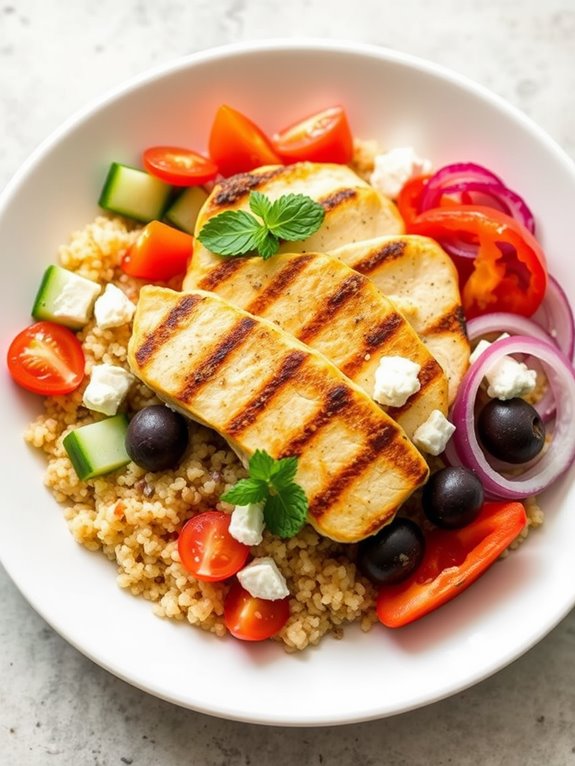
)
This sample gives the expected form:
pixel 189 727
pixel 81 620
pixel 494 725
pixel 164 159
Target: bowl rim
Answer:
pixel 250 47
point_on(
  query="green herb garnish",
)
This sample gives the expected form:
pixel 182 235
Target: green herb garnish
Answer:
pixel 237 232
pixel 272 482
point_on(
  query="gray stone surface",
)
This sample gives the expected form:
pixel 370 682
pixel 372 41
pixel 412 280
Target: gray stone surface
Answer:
pixel 56 707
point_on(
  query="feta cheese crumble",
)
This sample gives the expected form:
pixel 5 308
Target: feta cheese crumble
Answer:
pixel 262 579
pixel 395 168
pixel 395 380
pixel 75 301
pixel 113 308
pixel 507 378
pixel 247 523
pixel 107 388
pixel 433 435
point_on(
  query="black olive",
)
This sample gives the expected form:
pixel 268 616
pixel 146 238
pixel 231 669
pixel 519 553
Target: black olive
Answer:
pixel 157 438
pixel 452 498
pixel 511 430
pixel 390 556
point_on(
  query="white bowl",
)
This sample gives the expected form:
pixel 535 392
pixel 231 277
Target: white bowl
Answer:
pixel 399 101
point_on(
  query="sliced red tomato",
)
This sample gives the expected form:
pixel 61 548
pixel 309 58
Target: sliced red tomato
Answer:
pixel 509 271
pixel 160 253
pixel 177 166
pixel 207 550
pixel 47 359
pixel 453 560
pixel 409 198
pixel 321 137
pixel 253 619
pixel 237 145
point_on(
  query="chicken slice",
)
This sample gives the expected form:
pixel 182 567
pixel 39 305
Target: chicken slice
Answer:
pixel 420 279
pixel 262 389
pixel 335 310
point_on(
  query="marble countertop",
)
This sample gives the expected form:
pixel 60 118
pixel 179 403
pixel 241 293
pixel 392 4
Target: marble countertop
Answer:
pixel 56 706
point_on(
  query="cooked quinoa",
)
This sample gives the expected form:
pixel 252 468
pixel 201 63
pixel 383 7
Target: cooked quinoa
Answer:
pixel 134 516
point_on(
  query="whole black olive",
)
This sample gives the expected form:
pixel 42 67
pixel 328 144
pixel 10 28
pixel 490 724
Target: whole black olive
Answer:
pixel 390 556
pixel 452 498
pixel 511 430
pixel 157 438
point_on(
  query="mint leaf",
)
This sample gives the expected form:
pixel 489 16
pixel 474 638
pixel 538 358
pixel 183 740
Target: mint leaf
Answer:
pixel 267 244
pixel 270 480
pixel 285 513
pixel 294 216
pixel 261 465
pixel 260 204
pixel 233 232
pixel 283 472
pixel 246 491
pixel 237 232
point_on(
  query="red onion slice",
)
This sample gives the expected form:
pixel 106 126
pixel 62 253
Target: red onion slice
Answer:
pixel 451 174
pixel 502 321
pixel 514 324
pixel 557 459
pixel 556 316
pixel 498 196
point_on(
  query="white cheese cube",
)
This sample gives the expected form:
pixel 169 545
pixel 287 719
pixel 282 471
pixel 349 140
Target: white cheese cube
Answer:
pixel 107 388
pixel 75 301
pixel 507 378
pixel 395 380
pixel 113 308
pixel 247 523
pixel 395 168
pixel 262 579
pixel 433 435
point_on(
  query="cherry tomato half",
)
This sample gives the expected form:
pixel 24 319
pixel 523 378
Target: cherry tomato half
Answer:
pixel 237 144
pixel 160 253
pixel 321 137
pixel 207 550
pixel 178 167
pixel 46 359
pixel 253 619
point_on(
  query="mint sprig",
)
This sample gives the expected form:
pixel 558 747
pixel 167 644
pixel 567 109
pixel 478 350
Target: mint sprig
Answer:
pixel 272 482
pixel 291 217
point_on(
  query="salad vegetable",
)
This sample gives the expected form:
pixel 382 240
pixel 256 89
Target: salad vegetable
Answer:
pixel 321 137
pixel 160 253
pixel 236 143
pixel 207 550
pixel 253 619
pixel 177 166
pixel 453 560
pixel 46 359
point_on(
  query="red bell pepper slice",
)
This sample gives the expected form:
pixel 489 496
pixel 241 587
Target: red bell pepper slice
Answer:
pixel 409 199
pixel 453 560
pixel 160 253
pixel 509 271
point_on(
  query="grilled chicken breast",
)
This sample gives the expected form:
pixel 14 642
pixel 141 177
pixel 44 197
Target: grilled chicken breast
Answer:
pixel 420 279
pixel 261 388
pixel 334 310
pixel 353 209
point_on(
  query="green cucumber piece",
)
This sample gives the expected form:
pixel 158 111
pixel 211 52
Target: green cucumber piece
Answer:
pixel 134 193
pixel 184 212
pixel 98 448
pixel 65 298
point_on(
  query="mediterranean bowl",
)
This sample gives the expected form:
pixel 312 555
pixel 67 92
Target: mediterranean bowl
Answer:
pixel 398 101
